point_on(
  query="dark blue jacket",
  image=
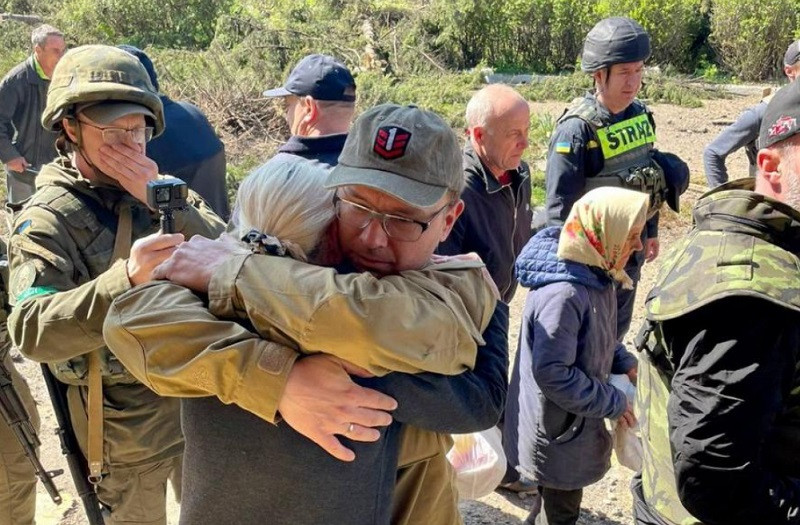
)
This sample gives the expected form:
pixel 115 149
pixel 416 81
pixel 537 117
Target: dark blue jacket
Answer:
pixel 559 394
pixel 190 150
pixel 741 134
pixel 496 222
pixel 244 470
pixel 323 151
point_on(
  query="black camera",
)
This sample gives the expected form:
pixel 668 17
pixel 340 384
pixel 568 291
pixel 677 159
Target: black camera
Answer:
pixel 167 195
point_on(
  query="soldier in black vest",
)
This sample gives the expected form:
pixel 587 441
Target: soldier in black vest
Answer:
pixel 607 138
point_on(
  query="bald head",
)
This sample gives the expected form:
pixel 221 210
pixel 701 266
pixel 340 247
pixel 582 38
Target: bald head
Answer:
pixel 498 119
pixel 492 101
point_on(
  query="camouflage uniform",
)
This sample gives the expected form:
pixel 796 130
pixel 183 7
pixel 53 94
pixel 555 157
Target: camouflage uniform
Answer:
pixel 68 252
pixel 717 388
pixel 17 477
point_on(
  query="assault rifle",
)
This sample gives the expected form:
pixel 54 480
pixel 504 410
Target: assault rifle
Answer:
pixel 69 447
pixel 17 418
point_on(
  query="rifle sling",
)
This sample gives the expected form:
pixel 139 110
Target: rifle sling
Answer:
pixel 122 249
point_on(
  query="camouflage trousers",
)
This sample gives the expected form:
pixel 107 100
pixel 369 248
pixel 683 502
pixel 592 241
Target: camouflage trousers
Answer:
pixel 17 477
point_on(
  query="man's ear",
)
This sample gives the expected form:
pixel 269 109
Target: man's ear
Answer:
pixel 769 160
pixel 450 218
pixel 478 134
pixel 71 128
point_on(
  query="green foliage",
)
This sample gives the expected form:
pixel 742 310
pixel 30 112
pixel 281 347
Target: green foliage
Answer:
pixel 446 94
pixel 15 45
pixel 169 23
pixel 751 37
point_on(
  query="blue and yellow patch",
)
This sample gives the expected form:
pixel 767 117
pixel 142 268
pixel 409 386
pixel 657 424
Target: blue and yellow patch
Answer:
pixel 24 226
pixel 563 147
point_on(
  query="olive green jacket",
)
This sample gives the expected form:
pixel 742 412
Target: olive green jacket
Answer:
pixel 426 320
pixel 62 278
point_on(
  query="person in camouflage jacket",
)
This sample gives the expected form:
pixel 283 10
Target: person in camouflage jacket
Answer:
pixel 718 387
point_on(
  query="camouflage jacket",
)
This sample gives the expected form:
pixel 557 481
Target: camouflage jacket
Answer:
pixel 718 389
pixel 62 277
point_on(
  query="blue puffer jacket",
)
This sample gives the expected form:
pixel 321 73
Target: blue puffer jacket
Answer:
pixel 559 394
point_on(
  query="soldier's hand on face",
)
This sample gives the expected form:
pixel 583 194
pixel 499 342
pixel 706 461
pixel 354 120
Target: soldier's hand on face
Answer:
pixel 127 164
pixel 194 262
pixel 320 401
pixel 651 249
pixel 147 253
pixel 18 164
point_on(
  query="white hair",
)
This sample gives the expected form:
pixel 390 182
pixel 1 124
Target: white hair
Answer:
pixel 481 106
pixel 40 34
pixel 285 199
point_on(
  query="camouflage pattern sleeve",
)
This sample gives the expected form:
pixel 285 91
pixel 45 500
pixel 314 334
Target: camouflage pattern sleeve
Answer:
pixel 428 320
pixel 55 317
pixel 195 354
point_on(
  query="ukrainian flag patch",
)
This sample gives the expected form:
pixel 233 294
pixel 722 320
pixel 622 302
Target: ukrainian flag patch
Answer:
pixel 563 147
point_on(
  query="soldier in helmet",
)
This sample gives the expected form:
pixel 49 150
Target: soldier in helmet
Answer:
pixel 70 253
pixel 718 387
pixel 607 138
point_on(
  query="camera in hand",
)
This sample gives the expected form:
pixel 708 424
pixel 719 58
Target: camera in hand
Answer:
pixel 167 195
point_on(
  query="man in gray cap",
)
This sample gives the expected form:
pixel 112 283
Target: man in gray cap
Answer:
pixel 319 100
pixel 397 196
pixel 744 132
pixel 718 391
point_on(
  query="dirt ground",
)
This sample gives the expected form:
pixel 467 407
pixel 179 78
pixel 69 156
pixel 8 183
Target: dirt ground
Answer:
pixel 680 130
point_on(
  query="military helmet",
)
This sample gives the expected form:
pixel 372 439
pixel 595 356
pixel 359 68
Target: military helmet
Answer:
pixel 99 73
pixel 615 40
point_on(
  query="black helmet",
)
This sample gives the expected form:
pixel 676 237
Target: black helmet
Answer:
pixel 614 40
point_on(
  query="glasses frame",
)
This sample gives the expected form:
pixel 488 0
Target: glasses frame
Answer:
pixel 388 216
pixel 148 130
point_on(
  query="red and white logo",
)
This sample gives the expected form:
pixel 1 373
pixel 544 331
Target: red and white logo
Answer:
pixel 782 125
pixel 391 142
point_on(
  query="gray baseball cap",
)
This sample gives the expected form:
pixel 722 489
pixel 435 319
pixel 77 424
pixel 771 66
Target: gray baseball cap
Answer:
pixel 792 55
pixel 106 112
pixel 404 151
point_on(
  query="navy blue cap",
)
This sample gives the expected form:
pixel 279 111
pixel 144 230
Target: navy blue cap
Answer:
pixel 319 76
pixel 145 60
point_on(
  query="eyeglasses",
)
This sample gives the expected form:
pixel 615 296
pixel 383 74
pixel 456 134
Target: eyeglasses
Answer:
pixel 396 227
pixel 117 135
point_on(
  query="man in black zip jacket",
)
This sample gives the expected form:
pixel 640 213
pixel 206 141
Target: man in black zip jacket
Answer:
pixel 497 217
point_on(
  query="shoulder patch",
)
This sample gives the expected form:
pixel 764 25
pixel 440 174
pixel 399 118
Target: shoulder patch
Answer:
pixel 24 226
pixel 563 147
pixel 35 291
pixel 23 277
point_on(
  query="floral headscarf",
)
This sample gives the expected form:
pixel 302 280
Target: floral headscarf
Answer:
pixel 598 226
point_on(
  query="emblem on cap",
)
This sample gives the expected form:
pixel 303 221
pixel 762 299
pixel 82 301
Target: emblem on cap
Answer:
pixel 782 125
pixel 391 142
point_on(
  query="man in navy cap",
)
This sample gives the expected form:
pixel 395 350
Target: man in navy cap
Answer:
pixel 319 102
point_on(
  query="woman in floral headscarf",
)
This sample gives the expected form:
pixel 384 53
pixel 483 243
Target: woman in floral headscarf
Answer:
pixel 559 394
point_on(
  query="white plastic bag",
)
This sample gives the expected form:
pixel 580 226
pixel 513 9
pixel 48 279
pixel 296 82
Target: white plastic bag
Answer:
pixel 627 444
pixel 479 461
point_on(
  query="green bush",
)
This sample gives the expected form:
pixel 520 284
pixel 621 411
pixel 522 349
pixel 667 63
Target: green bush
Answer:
pixel 15 45
pixel 168 23
pixel 751 37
